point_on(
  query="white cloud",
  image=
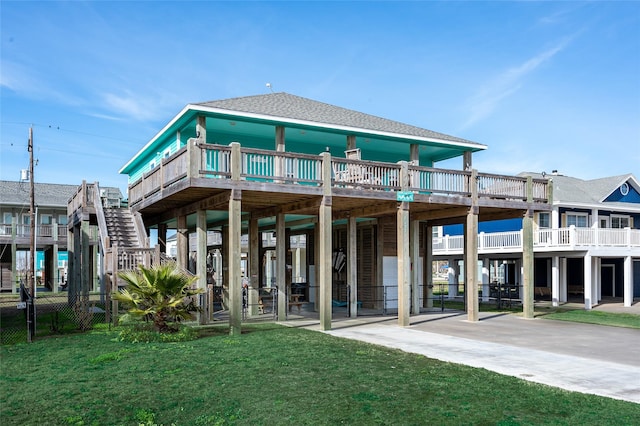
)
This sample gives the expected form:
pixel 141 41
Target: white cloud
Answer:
pixel 488 97
pixel 131 105
pixel 23 81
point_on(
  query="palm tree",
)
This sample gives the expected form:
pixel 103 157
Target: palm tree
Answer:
pixel 161 293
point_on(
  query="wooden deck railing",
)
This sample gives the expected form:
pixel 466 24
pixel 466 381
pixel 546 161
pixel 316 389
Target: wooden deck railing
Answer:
pixel 202 160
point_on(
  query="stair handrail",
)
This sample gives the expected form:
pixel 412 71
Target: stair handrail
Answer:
pixel 138 225
pixel 102 221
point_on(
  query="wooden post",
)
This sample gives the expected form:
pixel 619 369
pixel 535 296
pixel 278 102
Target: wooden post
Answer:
pixel 279 169
pixel 467 161
pixel 403 255
pixel 85 259
pixel 201 258
pixel 352 265
pixel 414 154
pixel 404 265
pixel 414 247
pixel 527 264
pixel 114 281
pixel 324 261
pixel 182 243
pixel 162 237
pixel 527 255
pixel 351 142
pixel 193 158
pixel 427 268
pixel 281 267
pixel 235 231
pixel 254 266
pixel 471 252
pixel 379 283
pixel 201 128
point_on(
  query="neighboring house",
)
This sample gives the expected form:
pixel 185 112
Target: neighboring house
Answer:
pixel 360 191
pixel 51 233
pixel 587 248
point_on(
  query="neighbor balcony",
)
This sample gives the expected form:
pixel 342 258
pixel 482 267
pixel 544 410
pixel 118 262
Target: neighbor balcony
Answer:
pixel 560 239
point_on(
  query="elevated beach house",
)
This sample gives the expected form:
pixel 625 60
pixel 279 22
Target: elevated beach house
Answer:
pixel 359 191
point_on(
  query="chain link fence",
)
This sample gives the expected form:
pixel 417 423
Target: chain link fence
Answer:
pixel 55 314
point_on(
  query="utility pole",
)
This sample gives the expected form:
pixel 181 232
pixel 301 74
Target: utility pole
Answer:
pixel 31 317
pixel 32 254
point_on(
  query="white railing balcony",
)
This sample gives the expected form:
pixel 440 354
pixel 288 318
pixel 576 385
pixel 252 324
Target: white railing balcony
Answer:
pixel 560 239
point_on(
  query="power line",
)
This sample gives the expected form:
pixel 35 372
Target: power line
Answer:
pixel 79 132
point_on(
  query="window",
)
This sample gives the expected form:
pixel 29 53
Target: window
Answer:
pixel 26 219
pixel 7 217
pixel 436 231
pixel 62 219
pixel 619 221
pixel 544 220
pixel 579 220
pixel 45 219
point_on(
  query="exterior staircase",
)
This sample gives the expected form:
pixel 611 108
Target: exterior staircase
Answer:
pixel 121 228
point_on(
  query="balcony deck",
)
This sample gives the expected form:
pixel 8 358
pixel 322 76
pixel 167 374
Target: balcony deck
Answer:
pixel 546 240
pixel 270 181
pixel 46 235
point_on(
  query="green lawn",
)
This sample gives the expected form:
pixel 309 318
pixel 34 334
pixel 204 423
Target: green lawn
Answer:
pixel 270 375
pixel 595 317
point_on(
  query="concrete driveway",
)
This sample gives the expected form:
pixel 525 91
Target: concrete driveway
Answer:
pixel 586 358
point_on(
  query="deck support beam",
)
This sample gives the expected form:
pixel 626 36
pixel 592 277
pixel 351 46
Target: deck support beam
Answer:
pixel 233 244
pixel 527 264
pixel 414 247
pixel 182 242
pixel 281 266
pixel 404 265
pixel 427 268
pixel 324 243
pixel 254 266
pixel 201 258
pixel 471 251
pixel 352 266
pixel 471 265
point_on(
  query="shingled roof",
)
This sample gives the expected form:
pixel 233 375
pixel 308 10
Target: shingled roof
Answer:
pixel 567 189
pixel 45 194
pixel 286 106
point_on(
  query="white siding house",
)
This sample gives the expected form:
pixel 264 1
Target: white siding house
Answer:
pixel 586 249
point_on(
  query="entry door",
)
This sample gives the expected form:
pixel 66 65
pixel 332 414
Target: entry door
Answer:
pixel 604 222
pixel 608 280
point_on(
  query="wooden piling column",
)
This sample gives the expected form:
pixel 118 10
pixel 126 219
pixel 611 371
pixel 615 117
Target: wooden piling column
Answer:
pixel 527 264
pixel 201 259
pixel 182 243
pixel 235 225
pixel 527 255
pixel 352 266
pixel 471 252
pixel 325 241
pixel 254 266
pixel 403 254
pixel 414 247
pixel 427 271
pixel 281 267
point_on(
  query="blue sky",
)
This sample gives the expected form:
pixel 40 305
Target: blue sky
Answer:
pixel 546 85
